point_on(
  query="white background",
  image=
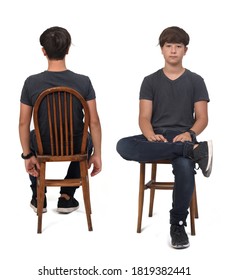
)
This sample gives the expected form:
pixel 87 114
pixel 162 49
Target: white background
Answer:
pixel 115 44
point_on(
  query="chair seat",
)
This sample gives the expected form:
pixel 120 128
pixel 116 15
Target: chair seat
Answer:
pixel 50 158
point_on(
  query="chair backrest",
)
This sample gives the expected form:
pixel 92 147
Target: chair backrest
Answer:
pixel 59 129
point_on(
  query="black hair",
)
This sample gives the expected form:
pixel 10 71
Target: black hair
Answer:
pixel 173 34
pixel 56 42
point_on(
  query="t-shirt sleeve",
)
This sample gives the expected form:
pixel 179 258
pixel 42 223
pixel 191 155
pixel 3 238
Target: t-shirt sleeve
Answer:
pixel 25 95
pixel 146 90
pixel 90 91
pixel 200 90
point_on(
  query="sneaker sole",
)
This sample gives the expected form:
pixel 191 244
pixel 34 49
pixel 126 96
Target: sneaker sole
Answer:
pixel 35 209
pixel 180 246
pixel 210 158
pixel 66 210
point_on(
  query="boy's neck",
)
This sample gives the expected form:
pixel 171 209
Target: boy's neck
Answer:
pixel 56 65
pixel 173 72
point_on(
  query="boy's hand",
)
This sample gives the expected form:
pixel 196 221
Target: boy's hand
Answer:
pixel 32 166
pixel 97 164
pixel 157 138
pixel 183 137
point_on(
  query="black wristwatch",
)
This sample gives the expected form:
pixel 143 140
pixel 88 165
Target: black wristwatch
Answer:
pixel 193 135
pixel 27 156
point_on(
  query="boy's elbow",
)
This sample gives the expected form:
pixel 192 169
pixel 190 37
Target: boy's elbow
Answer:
pixel 95 124
pixel 205 121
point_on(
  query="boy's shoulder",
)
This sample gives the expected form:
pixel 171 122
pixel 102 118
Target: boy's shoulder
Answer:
pixel 193 75
pixel 50 78
pixel 155 74
pixel 153 77
pixel 61 73
pixel 159 73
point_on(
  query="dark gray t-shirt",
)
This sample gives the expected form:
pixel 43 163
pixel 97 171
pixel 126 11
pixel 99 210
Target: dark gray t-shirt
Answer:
pixel 37 83
pixel 173 100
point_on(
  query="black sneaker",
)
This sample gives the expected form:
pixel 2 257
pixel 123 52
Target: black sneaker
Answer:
pixel 203 155
pixel 33 204
pixel 67 206
pixel 179 238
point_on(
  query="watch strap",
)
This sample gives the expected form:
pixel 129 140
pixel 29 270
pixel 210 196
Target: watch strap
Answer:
pixel 27 156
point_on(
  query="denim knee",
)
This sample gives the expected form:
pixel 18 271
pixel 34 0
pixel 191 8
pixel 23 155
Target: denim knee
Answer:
pixel 123 148
pixel 184 166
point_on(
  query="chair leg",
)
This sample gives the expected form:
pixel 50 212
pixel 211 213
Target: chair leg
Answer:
pixel 152 190
pixel 88 191
pixel 87 203
pixel 141 196
pixel 196 205
pixel 193 212
pixel 40 196
pixel 152 194
pixel 40 204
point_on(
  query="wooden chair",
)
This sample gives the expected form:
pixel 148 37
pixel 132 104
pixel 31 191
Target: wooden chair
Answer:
pixel 153 185
pixel 58 102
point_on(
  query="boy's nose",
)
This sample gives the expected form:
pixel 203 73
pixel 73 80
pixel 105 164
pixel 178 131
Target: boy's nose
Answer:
pixel 173 49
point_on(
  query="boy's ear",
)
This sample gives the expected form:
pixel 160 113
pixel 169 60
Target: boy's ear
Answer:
pixel 44 52
pixel 186 49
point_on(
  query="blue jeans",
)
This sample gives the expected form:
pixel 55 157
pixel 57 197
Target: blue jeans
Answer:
pixel 73 169
pixel 138 148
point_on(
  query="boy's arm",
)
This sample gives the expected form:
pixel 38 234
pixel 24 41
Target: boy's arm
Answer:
pixel 201 121
pixel 145 115
pixel 31 164
pixel 96 134
pixel 201 116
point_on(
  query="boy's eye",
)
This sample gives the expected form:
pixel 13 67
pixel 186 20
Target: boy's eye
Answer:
pixel 177 45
